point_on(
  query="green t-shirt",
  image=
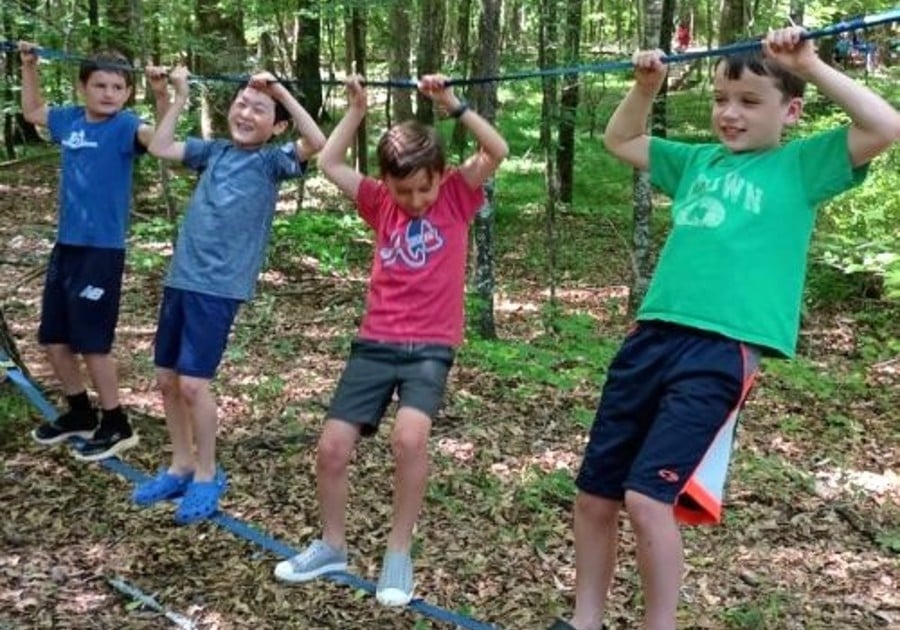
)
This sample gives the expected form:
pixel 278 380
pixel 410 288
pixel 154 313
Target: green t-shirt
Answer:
pixel 735 260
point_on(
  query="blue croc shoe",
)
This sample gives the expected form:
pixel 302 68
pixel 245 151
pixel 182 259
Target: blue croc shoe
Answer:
pixel 162 487
pixel 201 499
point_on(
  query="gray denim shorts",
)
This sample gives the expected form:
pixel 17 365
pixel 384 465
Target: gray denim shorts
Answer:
pixel 375 370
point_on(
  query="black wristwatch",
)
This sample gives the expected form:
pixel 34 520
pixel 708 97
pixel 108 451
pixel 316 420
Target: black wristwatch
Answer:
pixel 461 109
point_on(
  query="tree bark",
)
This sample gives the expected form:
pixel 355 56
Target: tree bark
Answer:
pixel 220 49
pixel 428 56
pixel 733 21
pixel 642 192
pixel 399 66
pixel 306 64
pixel 484 99
pixel 565 152
pixel 547 42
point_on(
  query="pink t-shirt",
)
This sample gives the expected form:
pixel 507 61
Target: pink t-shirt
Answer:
pixel 419 268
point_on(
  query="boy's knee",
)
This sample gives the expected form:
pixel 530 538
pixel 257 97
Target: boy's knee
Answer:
pixel 596 509
pixel 167 384
pixel 334 451
pixel 409 441
pixel 645 511
pixel 191 389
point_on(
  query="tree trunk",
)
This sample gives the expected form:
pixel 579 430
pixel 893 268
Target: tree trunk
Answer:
pixel 643 194
pixel 9 100
pixel 8 345
pixel 463 21
pixel 565 152
pixel 399 67
pixel 94 24
pixel 306 63
pixel 797 9
pixel 484 99
pixel 119 34
pixel 356 58
pixel 733 21
pixel 428 56
pixel 547 41
pixel 220 49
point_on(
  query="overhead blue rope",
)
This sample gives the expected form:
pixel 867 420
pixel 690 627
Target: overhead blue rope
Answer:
pixel 864 22
pixel 234 525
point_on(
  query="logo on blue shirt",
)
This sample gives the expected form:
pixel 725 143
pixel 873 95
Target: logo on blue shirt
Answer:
pixel 413 244
pixel 76 141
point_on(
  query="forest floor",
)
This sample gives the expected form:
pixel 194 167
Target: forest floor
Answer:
pixel 811 537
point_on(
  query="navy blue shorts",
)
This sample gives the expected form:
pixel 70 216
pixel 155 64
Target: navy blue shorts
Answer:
pixel 670 394
pixel 192 331
pixel 80 304
pixel 375 370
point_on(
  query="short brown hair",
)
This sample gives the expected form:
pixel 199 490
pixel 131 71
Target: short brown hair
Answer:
pixel 409 147
pixel 789 84
pixel 107 61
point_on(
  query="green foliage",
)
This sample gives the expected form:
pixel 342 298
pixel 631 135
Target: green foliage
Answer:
pixel 541 491
pixel 332 239
pixel 563 360
pixel 768 612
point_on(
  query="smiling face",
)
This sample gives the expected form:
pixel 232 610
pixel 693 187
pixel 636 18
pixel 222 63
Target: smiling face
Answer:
pixel 416 192
pixel 105 93
pixel 251 118
pixel 749 110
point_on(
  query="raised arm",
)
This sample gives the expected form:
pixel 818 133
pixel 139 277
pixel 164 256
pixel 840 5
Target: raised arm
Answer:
pixel 311 138
pixel 875 124
pixel 331 159
pixel 626 132
pixel 163 145
pixel 492 148
pixel 33 107
pixel 157 79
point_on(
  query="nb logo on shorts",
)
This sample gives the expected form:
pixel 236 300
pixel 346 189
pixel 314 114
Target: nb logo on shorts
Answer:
pixel 91 293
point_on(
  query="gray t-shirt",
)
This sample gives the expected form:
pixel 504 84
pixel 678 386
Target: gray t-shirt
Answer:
pixel 223 237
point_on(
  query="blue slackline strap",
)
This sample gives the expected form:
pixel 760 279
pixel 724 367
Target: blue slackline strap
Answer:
pixel 236 526
pixel 885 17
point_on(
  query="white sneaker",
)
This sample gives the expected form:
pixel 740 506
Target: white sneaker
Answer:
pixel 317 559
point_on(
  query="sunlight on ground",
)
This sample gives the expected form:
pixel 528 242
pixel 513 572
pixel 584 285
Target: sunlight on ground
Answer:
pixel 832 483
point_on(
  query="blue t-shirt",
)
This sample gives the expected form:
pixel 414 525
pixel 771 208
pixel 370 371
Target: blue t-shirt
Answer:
pixel 97 167
pixel 223 237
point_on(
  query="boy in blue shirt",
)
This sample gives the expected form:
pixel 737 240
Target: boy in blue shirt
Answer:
pixel 727 288
pixel 80 304
pixel 217 258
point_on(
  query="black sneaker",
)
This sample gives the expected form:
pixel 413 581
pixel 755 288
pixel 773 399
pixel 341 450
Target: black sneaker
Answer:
pixel 109 440
pixel 69 424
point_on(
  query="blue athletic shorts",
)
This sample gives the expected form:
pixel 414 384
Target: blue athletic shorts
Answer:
pixel 669 404
pixel 375 370
pixel 192 331
pixel 80 304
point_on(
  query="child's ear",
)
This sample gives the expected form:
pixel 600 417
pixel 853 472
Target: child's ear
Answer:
pixel 794 111
pixel 280 127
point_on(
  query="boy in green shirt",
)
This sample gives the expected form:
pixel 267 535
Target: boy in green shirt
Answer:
pixel 727 287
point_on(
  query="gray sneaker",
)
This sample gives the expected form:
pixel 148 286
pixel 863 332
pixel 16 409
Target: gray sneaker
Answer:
pixel 395 584
pixel 317 559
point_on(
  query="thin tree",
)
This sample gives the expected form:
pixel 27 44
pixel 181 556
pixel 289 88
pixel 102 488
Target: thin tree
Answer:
pixel 568 114
pixel 484 99
pixel 355 35
pixel 547 40
pixel 306 62
pixel 398 65
pixel 428 56
pixel 220 49
pixel 642 266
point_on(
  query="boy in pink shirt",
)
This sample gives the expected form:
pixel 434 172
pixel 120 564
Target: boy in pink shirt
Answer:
pixel 420 212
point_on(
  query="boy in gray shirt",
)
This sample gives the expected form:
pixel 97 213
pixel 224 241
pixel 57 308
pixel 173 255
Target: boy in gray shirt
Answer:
pixel 217 258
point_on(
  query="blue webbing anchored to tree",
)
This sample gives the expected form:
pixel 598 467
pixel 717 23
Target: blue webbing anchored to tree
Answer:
pixel 864 22
pixel 234 525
